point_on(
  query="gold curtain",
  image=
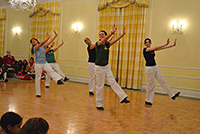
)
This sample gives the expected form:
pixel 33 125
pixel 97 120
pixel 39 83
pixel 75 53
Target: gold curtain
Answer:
pixel 45 18
pixel 130 53
pixel 2 30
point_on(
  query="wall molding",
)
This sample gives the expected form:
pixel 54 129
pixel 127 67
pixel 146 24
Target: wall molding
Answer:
pixel 20 56
pixel 77 60
pixel 172 81
pixel 193 78
pixel 75 71
pixel 76 79
pixel 150 29
pixel 178 67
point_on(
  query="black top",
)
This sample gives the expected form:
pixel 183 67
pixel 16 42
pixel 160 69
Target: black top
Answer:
pixel 102 53
pixel 92 54
pixel 149 57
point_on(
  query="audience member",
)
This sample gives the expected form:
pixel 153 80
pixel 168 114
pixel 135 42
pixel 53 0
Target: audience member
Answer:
pixel 10 123
pixel 25 67
pixel 3 73
pixel 35 126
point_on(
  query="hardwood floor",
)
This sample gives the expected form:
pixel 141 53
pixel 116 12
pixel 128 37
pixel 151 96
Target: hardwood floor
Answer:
pixel 70 110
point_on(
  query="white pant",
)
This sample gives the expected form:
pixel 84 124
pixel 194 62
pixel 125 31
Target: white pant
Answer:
pixel 5 75
pixel 38 71
pixel 102 73
pixel 152 73
pixel 91 67
pixel 55 67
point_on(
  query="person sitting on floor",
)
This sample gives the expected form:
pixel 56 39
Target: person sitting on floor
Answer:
pixel 35 126
pixel 10 123
pixel 25 67
pixel 3 73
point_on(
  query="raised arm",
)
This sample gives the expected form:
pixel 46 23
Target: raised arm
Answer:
pixel 43 42
pixel 114 41
pixel 165 47
pixel 49 48
pixel 110 39
pixel 157 47
pixel 48 43
pixel 107 36
pixel 58 46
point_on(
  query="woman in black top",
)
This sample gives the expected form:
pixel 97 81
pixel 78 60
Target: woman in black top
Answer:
pixel 153 71
pixel 91 60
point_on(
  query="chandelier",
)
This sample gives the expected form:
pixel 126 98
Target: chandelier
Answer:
pixel 22 4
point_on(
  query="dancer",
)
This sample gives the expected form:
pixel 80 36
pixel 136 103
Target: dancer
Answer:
pixel 50 58
pixel 41 64
pixel 153 71
pixel 91 64
pixel 103 70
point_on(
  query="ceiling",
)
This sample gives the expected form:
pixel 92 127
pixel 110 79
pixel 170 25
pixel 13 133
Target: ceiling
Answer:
pixel 5 4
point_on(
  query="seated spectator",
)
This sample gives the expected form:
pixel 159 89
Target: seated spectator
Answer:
pixel 35 126
pixel 10 123
pixel 31 62
pixel 20 64
pixel 3 73
pixel 17 67
pixel 25 67
pixel 1 62
pixel 9 60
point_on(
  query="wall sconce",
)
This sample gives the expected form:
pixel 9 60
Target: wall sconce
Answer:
pixel 77 27
pixel 178 25
pixel 16 30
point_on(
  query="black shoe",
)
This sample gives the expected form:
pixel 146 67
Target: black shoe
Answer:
pixel 65 79
pixel 100 108
pixel 6 80
pixel 125 100
pixel 176 95
pixel 47 86
pixel 148 103
pixel 59 82
pixel 38 95
pixel 91 93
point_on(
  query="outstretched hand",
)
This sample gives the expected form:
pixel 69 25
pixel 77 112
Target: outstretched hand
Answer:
pixel 114 29
pixel 62 41
pixel 167 41
pixel 174 43
pixel 124 30
pixel 55 33
pixel 48 36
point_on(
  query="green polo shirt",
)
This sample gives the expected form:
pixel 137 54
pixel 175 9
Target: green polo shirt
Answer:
pixel 102 54
pixel 50 57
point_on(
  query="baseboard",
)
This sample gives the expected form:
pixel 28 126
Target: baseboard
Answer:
pixel 81 80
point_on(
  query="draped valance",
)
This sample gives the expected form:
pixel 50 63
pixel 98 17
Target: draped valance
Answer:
pixel 42 9
pixel 121 3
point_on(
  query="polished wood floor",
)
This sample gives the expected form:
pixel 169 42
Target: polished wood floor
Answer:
pixel 70 110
